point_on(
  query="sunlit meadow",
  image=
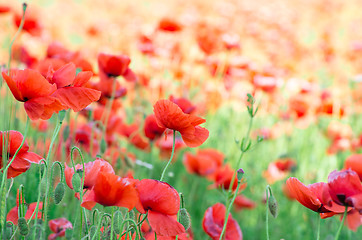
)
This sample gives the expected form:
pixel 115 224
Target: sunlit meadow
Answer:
pixel 151 119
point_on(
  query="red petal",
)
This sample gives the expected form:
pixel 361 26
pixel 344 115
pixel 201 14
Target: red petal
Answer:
pixel 303 194
pixel 82 78
pixel 169 115
pixel 165 225
pixel 77 98
pixel 130 76
pixel 13 86
pixel 43 107
pixel 64 76
pixel 32 84
pixel 199 137
pixel 158 196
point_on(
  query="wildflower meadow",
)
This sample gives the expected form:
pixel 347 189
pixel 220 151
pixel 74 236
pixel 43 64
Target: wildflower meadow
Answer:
pixel 180 120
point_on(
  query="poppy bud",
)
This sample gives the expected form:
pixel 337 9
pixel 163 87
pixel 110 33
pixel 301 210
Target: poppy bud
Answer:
pixel 103 146
pixel 240 174
pixel 76 181
pixel 117 220
pixel 59 193
pixel 9 230
pixel 23 226
pixel 272 204
pixel 61 115
pixel 185 218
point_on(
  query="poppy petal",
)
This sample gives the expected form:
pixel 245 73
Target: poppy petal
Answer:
pixel 303 194
pixel 64 76
pixel 199 137
pixel 43 107
pixel 82 78
pixel 13 87
pixel 165 225
pixel 77 98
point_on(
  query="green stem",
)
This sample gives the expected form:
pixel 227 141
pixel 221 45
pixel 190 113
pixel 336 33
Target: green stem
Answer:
pixel 82 210
pixel 319 226
pixel 48 173
pixel 229 206
pixel 16 35
pixel 169 161
pixel 267 214
pixel 341 225
pixel 112 223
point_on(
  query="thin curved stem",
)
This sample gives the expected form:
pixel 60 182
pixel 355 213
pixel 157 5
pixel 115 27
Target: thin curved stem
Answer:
pixel 173 151
pixel 48 172
pixel 319 226
pixel 341 225
pixel 229 206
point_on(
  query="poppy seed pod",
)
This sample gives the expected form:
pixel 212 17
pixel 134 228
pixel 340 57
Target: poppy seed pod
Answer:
pixel 185 219
pixel 59 193
pixel 272 203
pixel 117 220
pixel 76 181
pixel 23 226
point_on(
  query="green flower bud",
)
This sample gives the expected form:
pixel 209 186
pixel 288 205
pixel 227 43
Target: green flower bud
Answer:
pixel 76 182
pixel 103 146
pixel 240 174
pixel 59 193
pixel 272 204
pixel 185 219
pixel 117 221
pixel 23 226
pixel 9 230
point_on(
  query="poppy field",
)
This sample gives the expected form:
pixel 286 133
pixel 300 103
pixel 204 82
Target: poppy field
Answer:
pixel 181 120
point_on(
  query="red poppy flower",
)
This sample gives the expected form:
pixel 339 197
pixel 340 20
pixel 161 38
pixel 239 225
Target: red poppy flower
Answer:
pixel 345 188
pixel 279 169
pixel 71 91
pixel 184 104
pixel 204 163
pixel 213 223
pixel 4 8
pixel 162 203
pixel 111 190
pixel 314 196
pixel 151 128
pixel 223 176
pixel 58 226
pixel 23 159
pixel 31 87
pixel 242 202
pixel 90 173
pixel 354 162
pixel 116 65
pixel 13 213
pixel 171 116
pixel 169 25
pixel 140 142
pixel 31 23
